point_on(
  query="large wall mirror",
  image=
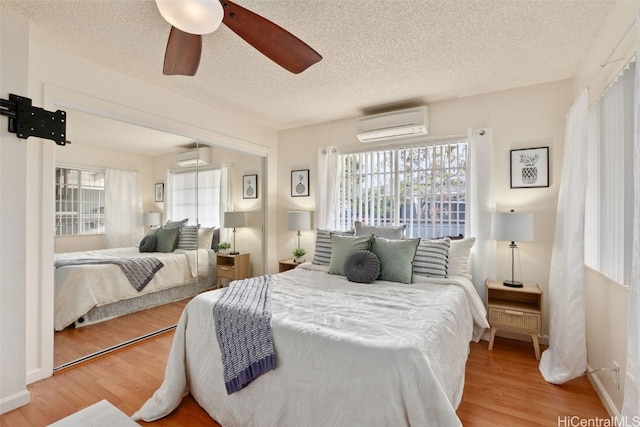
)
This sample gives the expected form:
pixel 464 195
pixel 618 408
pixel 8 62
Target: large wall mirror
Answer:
pixel 139 213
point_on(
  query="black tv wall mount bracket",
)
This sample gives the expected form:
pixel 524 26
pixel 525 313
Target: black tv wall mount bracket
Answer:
pixel 26 120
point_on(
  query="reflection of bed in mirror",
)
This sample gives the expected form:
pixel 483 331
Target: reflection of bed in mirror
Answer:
pixel 93 286
pixel 124 142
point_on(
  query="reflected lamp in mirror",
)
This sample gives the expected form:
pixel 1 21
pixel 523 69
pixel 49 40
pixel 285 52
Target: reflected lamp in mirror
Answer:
pixel 512 227
pixel 235 220
pixel 150 219
pixel 298 221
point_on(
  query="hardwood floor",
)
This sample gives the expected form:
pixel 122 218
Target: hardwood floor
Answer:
pixel 75 343
pixel 503 388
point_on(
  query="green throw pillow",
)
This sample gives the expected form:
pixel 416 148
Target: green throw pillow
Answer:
pixel 396 258
pixel 342 247
pixel 166 239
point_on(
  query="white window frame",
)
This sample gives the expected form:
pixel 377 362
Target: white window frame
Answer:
pixel 82 223
pixel 437 188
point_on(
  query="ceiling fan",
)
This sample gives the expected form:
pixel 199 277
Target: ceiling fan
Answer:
pixel 190 19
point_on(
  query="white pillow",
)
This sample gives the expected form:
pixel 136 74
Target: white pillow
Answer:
pixel 390 232
pixel 205 236
pixel 459 257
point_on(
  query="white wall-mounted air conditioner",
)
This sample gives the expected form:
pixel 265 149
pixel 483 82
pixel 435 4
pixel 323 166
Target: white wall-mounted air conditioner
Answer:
pixel 198 157
pixel 394 124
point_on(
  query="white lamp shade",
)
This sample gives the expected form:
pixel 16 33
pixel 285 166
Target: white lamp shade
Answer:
pixel 512 226
pixel 151 218
pixel 298 220
pixel 192 16
pixel 235 219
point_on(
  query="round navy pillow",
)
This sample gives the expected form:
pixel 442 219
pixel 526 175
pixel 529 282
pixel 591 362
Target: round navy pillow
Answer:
pixel 362 267
pixel 148 244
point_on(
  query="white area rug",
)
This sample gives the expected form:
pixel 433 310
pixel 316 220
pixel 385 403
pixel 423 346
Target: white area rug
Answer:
pixel 101 414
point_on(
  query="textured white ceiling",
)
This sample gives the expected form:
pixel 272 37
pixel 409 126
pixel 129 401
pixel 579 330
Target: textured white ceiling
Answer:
pixel 376 53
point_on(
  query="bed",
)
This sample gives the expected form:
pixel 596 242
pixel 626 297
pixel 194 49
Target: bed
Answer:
pixel 348 354
pixel 88 293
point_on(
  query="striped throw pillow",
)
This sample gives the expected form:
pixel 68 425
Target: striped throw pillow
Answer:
pixel 322 254
pixel 188 238
pixel 432 258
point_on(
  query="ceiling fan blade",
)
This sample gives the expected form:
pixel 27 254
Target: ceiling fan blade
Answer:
pixel 182 56
pixel 273 41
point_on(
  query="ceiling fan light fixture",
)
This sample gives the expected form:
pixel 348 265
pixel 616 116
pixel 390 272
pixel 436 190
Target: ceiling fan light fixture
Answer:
pixel 192 16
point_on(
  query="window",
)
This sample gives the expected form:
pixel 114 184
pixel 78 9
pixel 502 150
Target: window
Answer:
pixel 422 186
pixel 609 197
pixel 196 196
pixel 79 202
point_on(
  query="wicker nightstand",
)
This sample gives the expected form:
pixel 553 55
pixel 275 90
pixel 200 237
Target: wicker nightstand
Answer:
pixel 515 309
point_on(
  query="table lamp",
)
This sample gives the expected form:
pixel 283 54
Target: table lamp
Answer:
pixel 298 220
pixel 512 226
pixel 235 220
pixel 151 218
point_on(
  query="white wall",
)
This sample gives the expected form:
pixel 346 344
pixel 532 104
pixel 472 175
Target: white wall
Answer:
pixel 524 117
pixel 14 48
pixel 607 315
pixel 607 301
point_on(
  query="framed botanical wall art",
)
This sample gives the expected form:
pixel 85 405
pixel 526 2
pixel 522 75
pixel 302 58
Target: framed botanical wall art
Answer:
pixel 530 167
pixel 159 190
pixel 250 186
pixel 300 183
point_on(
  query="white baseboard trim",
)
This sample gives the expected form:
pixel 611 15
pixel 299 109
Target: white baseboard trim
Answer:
pixel 603 394
pixel 14 401
pixel 34 375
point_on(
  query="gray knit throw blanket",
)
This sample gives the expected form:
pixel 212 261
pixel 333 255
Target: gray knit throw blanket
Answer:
pixel 243 328
pixel 139 271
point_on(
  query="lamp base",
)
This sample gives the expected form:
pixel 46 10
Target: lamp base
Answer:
pixel 234 253
pixel 513 284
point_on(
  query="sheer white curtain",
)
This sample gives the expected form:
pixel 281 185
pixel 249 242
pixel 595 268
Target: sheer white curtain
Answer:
pixel 168 196
pixel 195 195
pixel 122 209
pixel 209 198
pixel 226 203
pixel 183 199
pixel 608 217
pixel 631 405
pixel 481 203
pixel 326 193
pixel 566 357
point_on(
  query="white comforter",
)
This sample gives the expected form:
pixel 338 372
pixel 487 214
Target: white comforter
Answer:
pixel 347 355
pixel 80 288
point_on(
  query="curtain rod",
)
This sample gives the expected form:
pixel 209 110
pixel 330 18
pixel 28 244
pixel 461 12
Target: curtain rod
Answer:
pixel 606 61
pixel 617 45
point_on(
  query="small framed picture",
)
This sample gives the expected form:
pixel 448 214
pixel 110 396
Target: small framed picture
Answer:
pixel 300 183
pixel 160 192
pixel 250 186
pixel 530 167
